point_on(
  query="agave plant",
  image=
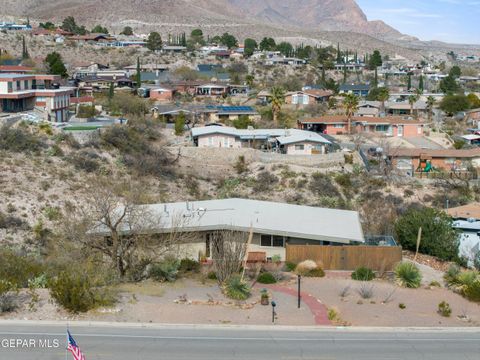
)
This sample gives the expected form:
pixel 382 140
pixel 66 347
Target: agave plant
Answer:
pixel 408 275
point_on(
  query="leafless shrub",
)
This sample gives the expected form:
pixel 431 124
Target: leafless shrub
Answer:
pixel 345 291
pixel 389 296
pixel 365 290
pixel 228 252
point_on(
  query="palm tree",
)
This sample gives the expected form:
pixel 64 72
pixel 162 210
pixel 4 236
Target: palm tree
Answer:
pixel 412 99
pixel 277 98
pixel 383 95
pixel 430 104
pixel 350 103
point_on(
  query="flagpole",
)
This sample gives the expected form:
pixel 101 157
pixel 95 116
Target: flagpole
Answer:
pixel 66 345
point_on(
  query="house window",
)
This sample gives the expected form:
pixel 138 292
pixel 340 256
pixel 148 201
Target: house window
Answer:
pixel 18 85
pixel 10 86
pixel 266 240
pixel 277 241
pixel 272 240
pixel 305 99
pixel 338 126
pixel 382 128
pixel 300 147
pixel 25 84
pixel 210 141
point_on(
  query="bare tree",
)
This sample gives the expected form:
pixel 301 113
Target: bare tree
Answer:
pixel 114 223
pixel 228 252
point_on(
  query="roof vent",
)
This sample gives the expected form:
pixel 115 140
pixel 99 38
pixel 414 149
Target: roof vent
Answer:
pixel 471 220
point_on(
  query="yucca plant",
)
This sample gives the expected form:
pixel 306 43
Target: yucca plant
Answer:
pixel 236 288
pixel 408 275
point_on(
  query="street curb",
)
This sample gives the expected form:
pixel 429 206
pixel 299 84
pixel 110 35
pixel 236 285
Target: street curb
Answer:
pixel 353 329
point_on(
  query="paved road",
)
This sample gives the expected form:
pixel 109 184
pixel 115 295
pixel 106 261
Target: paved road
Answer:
pixel 215 343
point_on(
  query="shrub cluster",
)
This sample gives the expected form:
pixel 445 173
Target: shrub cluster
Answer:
pixel 466 283
pixel 189 265
pixel 266 278
pixel 363 274
pixel 165 270
pixel 77 292
pixel 19 140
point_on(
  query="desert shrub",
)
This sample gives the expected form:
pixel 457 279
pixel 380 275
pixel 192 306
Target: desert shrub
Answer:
pixel 467 278
pixel 289 266
pixel 344 180
pixel 55 150
pixel 321 185
pixel 189 265
pixel 18 269
pixel 451 275
pixel 363 274
pixel 276 259
pixel 77 292
pixel 241 165
pixel 86 111
pixel 8 221
pixel 408 275
pixel 309 268
pixel 139 270
pixel 266 278
pixel 333 314
pixel 212 275
pixel 128 104
pixel 19 140
pixel 434 283
pixel 7 296
pixel 236 288
pixel 439 238
pixel 444 309
pixel 165 270
pixel 472 292
pixel 264 181
pixel 85 160
pixel 366 290
pixel 52 213
pixel 402 306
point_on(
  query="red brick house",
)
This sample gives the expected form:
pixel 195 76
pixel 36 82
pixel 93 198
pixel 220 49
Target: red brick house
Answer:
pixel 338 125
pixel 162 94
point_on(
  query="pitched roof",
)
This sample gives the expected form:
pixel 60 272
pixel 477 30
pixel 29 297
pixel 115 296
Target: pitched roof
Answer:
pixel 465 211
pixel 263 217
pixel 286 135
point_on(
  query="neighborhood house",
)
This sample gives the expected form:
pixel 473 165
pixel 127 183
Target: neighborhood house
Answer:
pixel 285 141
pixel 338 125
pixel 274 225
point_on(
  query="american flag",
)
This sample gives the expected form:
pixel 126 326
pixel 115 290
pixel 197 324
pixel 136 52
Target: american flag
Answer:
pixel 73 348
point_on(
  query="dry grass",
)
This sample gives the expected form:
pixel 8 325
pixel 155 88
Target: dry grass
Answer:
pixel 147 288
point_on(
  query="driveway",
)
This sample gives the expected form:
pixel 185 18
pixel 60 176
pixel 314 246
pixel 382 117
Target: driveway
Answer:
pixel 423 143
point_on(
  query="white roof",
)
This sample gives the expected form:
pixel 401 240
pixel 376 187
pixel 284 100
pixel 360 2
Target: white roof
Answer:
pixel 280 134
pixel 264 217
pixel 471 137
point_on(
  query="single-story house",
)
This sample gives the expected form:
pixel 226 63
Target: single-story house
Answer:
pixel 420 108
pixel 16 69
pixel 467 221
pixel 368 108
pixel 91 37
pixel 285 141
pixel 162 93
pixel 338 125
pixel 273 225
pixel 211 90
pixel 360 90
pixel 308 97
pixel 422 161
pixel 221 113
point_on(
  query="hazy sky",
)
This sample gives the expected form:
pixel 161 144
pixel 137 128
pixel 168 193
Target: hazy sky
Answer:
pixel 455 21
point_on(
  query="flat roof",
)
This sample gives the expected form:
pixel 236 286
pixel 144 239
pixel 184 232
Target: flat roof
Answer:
pixel 263 217
pixel 470 211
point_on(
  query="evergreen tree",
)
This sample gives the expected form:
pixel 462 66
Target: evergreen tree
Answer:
pixel 420 84
pixel 339 54
pixel 138 75
pixel 154 41
pixel 111 92
pixel 375 79
pixel 25 54
pixel 409 81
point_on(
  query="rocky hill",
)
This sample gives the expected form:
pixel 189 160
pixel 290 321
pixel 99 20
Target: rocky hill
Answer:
pixel 331 15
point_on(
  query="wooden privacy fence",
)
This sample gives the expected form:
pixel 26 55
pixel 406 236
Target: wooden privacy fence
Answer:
pixel 378 258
